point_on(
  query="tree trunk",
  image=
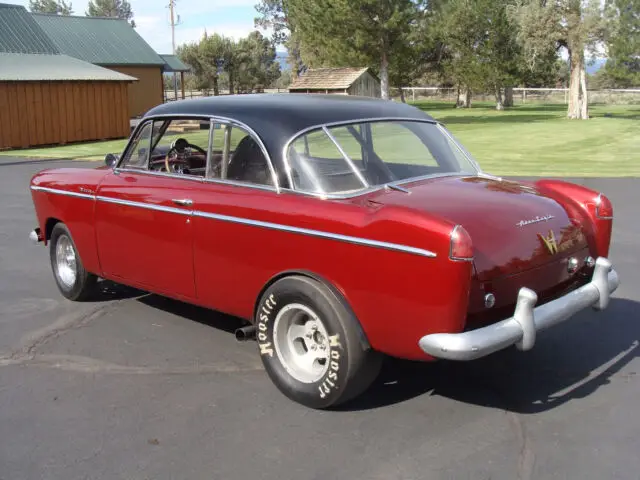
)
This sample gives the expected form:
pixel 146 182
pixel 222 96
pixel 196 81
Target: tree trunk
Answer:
pixel 404 100
pixel 578 101
pixel 216 90
pixel 231 79
pixel 464 97
pixel 499 105
pixel 384 76
pixel 508 97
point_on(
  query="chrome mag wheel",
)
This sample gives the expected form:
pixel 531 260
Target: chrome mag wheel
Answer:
pixel 66 267
pixel 301 342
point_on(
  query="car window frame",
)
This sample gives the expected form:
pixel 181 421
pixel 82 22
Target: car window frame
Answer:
pixel 134 143
pixel 213 120
pixel 347 195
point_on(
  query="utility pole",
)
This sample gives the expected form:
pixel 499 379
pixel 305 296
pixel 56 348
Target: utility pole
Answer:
pixel 173 45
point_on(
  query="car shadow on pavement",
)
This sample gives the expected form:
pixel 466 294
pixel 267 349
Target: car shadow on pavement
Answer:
pixel 106 291
pixel 568 362
pixel 205 316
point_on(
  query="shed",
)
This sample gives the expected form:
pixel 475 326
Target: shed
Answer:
pixel 114 44
pixel 174 65
pixel 341 81
pixel 50 98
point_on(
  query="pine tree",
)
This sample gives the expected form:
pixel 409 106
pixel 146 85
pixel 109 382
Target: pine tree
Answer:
pixel 111 8
pixel 58 7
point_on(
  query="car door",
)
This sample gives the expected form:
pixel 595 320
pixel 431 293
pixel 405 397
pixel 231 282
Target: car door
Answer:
pixel 229 259
pixel 144 213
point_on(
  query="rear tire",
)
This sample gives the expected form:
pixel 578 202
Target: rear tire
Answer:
pixel 73 281
pixel 310 344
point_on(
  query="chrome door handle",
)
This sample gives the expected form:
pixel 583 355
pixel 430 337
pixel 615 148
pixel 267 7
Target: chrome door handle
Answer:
pixel 183 201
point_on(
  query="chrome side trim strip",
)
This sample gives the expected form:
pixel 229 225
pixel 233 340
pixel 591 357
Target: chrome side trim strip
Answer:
pixel 245 221
pixel 148 206
pixel 63 192
pixel 155 173
pixel 318 233
pixel 198 179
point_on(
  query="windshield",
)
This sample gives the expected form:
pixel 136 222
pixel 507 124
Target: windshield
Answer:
pixel 353 157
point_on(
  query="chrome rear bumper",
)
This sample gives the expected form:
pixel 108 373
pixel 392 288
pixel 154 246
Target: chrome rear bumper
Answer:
pixel 521 328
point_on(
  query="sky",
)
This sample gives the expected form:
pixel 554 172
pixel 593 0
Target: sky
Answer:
pixel 231 18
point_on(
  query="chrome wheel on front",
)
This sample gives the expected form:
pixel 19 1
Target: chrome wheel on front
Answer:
pixel 66 267
pixel 301 342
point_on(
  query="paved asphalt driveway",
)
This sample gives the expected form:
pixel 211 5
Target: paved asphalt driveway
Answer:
pixel 140 387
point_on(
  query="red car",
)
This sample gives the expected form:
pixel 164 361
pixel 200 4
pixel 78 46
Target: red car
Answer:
pixel 341 228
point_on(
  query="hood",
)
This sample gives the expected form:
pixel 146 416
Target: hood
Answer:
pixel 508 221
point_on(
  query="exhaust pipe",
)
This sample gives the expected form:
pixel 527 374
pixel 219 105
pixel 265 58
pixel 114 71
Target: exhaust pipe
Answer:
pixel 246 333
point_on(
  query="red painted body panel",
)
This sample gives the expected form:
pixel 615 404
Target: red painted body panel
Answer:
pixel 490 211
pixel 389 291
pixel 76 213
pixel 397 296
pixel 149 247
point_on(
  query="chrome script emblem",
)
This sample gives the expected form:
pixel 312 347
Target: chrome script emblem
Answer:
pixel 550 242
pixel 538 219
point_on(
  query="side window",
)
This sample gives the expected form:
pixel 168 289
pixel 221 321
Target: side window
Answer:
pixel 349 143
pixel 180 146
pixel 237 156
pixel 138 154
pixel 318 166
pixel 388 135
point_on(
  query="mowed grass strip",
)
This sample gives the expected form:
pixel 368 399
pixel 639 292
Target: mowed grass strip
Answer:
pixel 538 140
pixel 525 140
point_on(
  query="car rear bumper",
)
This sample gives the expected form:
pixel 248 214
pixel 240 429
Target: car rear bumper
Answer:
pixel 527 320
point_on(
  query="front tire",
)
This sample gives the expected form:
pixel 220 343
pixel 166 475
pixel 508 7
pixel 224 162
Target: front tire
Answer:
pixel 73 281
pixel 310 344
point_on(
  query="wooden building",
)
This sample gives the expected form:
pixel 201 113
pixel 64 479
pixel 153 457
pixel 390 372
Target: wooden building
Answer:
pixel 341 81
pixel 174 65
pixel 110 43
pixel 49 98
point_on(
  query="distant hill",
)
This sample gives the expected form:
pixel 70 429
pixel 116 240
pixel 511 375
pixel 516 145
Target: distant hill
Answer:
pixel 281 58
pixel 597 65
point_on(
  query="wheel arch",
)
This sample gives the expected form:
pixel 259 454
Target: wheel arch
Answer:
pixel 48 227
pixel 364 341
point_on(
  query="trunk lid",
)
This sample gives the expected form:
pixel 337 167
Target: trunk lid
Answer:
pixel 508 221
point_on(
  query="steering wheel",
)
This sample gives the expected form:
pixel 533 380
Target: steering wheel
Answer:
pixel 180 148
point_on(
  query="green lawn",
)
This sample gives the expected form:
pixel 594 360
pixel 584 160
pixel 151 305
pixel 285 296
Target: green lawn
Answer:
pixel 532 139
pixel 538 140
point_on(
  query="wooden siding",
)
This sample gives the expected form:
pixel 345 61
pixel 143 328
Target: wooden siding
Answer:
pixel 365 86
pixel 51 113
pixel 147 92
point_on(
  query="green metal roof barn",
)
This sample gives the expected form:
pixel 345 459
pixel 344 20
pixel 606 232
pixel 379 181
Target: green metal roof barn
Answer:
pixel 47 97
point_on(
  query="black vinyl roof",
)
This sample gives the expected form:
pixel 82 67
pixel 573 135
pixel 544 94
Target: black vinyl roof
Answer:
pixel 277 117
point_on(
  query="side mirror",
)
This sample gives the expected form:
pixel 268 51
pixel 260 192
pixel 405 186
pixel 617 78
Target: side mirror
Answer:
pixel 110 159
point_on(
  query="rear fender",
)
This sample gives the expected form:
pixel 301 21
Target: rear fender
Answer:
pixel 581 204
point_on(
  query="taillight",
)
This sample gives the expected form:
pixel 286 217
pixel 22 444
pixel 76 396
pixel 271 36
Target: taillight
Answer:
pixel 461 248
pixel 604 209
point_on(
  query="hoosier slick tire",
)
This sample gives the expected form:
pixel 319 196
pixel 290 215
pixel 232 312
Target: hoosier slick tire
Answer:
pixel 73 281
pixel 310 344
